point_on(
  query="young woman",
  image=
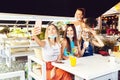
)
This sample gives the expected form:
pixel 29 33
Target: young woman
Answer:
pixel 70 44
pixel 79 21
pixel 51 52
pixel 88 40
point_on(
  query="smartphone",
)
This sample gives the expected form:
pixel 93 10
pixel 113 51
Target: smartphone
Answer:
pixel 60 62
pixel 38 23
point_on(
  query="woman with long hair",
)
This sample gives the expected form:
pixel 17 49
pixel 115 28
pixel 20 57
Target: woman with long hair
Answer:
pixel 70 44
pixel 51 51
pixel 88 41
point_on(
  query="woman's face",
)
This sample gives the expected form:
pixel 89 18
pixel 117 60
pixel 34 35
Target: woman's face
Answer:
pixel 78 15
pixel 52 30
pixel 70 32
pixel 85 33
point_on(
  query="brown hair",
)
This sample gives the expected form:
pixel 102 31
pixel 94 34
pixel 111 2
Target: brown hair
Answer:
pixel 83 11
pixel 74 37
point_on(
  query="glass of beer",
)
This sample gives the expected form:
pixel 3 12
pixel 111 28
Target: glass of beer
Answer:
pixel 72 60
pixel 116 48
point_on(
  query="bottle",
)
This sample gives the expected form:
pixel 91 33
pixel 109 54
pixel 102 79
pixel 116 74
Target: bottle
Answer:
pixel 116 47
pixel 112 57
pixel 109 51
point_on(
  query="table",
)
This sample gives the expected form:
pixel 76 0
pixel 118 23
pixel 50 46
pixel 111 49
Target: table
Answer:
pixel 95 67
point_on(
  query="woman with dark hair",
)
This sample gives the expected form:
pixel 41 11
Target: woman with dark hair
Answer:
pixel 79 21
pixel 70 44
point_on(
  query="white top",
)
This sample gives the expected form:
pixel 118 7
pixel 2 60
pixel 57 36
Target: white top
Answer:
pixel 90 67
pixel 78 30
pixel 50 53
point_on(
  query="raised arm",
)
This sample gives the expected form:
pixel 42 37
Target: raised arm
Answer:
pixel 98 42
pixel 64 43
pixel 36 31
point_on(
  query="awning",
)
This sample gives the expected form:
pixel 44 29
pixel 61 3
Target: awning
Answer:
pixel 114 10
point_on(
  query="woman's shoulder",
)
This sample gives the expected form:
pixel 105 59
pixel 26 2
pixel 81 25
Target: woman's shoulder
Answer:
pixel 74 22
pixel 64 42
pixel 82 24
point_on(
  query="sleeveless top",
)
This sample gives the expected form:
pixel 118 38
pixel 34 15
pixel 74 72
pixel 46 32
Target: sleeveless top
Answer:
pixel 78 30
pixel 72 45
pixel 50 53
pixel 88 51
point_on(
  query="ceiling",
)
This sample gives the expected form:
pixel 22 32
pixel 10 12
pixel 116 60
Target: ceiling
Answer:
pixel 94 8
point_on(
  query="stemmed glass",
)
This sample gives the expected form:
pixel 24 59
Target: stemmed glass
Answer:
pixel 87 41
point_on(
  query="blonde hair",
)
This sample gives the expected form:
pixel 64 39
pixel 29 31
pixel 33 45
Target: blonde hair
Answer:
pixel 57 39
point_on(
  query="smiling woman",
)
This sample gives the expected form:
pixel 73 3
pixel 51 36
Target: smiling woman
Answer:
pixel 51 43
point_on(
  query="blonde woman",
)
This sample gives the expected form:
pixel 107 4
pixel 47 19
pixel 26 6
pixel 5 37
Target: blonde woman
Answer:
pixel 51 52
pixel 88 40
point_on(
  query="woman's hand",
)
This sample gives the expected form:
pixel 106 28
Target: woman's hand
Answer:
pixel 36 30
pixel 75 50
pixel 93 32
pixel 52 74
pixel 85 45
